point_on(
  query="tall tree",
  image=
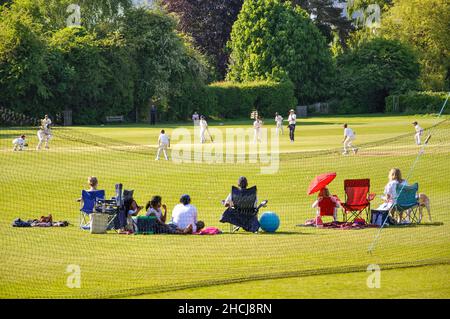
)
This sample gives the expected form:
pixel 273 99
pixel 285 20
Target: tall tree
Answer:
pixel 22 61
pixel 54 14
pixel 209 23
pixel 375 69
pixel 425 25
pixel 328 17
pixel 272 39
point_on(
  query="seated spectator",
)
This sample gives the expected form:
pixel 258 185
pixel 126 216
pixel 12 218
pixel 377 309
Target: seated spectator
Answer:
pixel 131 209
pixel 242 207
pixel 153 208
pixel 242 184
pixel 324 199
pixel 93 184
pixel 184 217
pixel 390 190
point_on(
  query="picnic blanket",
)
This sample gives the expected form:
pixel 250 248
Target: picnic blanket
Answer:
pixel 357 224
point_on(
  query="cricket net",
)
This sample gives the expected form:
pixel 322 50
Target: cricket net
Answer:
pixel 37 262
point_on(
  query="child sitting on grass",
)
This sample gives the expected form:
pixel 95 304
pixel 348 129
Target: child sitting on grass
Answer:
pixel 131 209
pixel 153 208
pixel 324 199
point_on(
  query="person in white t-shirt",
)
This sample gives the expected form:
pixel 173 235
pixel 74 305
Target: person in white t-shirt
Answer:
pixel 153 208
pixel 390 190
pixel 19 143
pixel 279 123
pixel 163 145
pixel 184 216
pixel 349 137
pixel 292 120
pixel 257 125
pixel 419 132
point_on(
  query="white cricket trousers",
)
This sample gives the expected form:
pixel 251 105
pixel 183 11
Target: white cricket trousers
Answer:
pixel 348 144
pixel 417 137
pixel 202 135
pixel 280 128
pixel 162 147
pixel 257 135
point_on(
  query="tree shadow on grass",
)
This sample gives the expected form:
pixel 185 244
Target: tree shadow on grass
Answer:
pixel 416 225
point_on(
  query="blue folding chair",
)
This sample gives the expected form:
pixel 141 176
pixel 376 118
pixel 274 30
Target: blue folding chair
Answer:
pixel 89 199
pixel 407 201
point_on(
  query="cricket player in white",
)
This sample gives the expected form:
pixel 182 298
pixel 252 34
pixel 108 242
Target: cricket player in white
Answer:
pixel 419 132
pixel 257 125
pixel 44 134
pixel 279 123
pixel 349 137
pixel 203 129
pixel 19 143
pixel 292 120
pixel 163 145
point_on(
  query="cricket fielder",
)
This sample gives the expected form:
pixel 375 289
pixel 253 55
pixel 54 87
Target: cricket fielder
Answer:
pixel 279 123
pixel 257 125
pixel 419 132
pixel 349 137
pixel 19 143
pixel 203 128
pixel 163 145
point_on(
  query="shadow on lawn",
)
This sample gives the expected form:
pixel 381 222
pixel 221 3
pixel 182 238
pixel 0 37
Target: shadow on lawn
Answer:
pixel 416 225
pixel 267 234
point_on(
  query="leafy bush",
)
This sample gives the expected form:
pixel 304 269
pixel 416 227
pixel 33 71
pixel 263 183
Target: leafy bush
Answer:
pixel 371 71
pixel 417 102
pixel 236 100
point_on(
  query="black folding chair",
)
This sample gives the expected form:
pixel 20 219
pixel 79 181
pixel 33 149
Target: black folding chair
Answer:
pixel 243 213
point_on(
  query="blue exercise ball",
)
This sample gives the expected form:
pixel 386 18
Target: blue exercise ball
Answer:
pixel 269 222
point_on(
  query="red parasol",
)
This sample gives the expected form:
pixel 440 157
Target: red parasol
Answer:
pixel 320 182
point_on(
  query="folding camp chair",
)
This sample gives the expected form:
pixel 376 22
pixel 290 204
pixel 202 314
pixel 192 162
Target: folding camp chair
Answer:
pixel 89 198
pixel 406 201
pixel 357 199
pixel 243 213
pixel 327 207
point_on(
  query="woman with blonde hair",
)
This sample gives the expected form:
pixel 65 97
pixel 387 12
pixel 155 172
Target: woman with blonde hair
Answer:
pixel 93 183
pixel 390 190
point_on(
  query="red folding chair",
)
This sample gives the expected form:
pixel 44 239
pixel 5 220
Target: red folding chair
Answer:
pixel 357 199
pixel 327 207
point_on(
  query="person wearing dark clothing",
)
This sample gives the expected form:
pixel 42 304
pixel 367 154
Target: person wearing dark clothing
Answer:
pixel 153 113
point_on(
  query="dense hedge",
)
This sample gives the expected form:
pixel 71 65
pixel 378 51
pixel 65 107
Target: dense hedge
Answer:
pixel 236 100
pixel 418 102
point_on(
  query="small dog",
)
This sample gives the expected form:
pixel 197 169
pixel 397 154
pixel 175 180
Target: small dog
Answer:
pixel 424 201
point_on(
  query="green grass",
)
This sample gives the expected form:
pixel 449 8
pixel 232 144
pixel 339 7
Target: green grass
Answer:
pixel 34 261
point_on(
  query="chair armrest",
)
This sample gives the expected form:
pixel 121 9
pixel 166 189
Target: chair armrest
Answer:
pixel 371 196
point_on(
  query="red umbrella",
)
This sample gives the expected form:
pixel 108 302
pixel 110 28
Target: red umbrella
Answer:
pixel 320 182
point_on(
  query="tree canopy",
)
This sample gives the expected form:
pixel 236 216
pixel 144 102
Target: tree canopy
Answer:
pixel 275 40
pixel 425 25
